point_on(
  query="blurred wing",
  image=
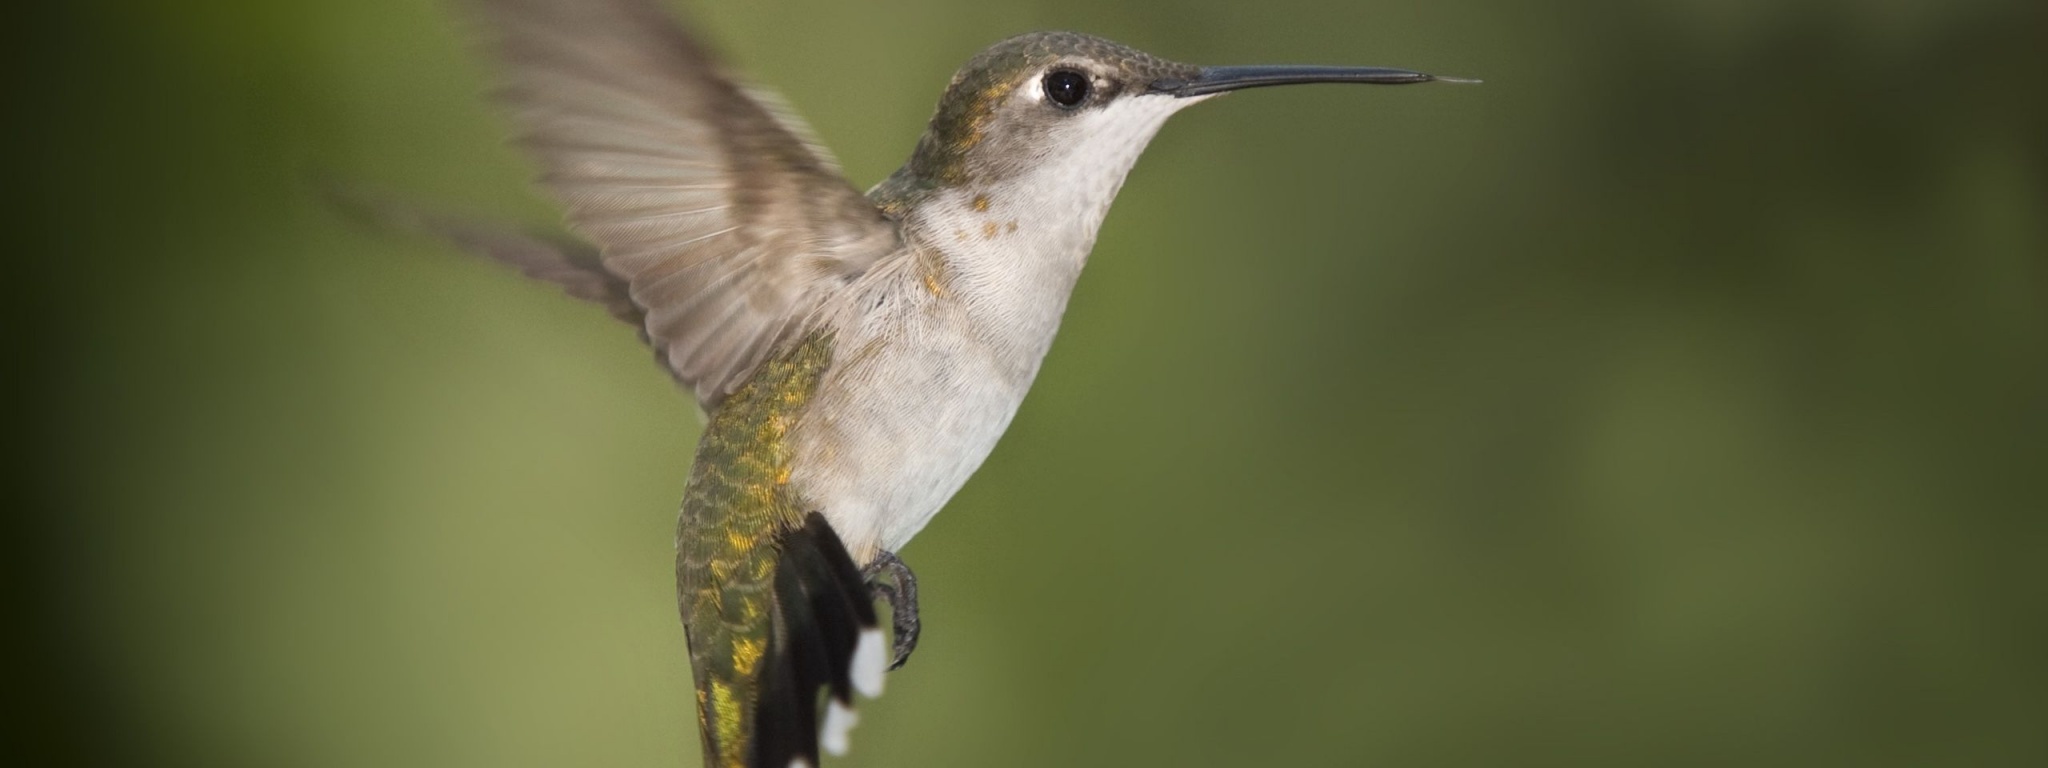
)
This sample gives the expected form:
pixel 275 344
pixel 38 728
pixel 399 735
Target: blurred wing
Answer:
pixel 574 267
pixel 725 219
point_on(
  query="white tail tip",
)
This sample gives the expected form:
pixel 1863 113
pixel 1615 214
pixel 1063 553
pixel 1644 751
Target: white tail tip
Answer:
pixel 839 721
pixel 869 663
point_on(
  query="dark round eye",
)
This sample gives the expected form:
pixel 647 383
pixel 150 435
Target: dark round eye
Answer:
pixel 1066 87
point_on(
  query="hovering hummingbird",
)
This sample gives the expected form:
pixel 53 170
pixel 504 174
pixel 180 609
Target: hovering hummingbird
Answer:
pixel 858 355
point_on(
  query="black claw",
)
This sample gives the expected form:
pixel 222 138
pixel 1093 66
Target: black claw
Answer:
pixel 900 590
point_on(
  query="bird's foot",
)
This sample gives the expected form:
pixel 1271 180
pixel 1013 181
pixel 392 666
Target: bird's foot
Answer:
pixel 891 580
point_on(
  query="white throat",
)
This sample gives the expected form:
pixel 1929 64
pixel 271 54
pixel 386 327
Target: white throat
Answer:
pixel 1014 249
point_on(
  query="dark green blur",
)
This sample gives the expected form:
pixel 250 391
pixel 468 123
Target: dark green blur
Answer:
pixel 1677 397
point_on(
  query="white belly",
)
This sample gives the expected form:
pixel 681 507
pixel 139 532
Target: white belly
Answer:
pixel 917 396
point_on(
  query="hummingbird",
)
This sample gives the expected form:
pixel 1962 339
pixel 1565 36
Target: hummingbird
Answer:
pixel 857 354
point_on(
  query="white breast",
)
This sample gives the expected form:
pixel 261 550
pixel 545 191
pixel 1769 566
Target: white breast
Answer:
pixel 934 351
pixel 915 400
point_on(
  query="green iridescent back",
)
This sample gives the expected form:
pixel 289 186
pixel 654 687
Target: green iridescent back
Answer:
pixel 736 504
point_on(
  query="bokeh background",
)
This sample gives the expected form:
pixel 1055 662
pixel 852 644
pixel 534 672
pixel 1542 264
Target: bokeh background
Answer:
pixel 1677 397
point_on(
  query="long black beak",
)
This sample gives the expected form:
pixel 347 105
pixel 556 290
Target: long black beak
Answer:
pixel 1220 79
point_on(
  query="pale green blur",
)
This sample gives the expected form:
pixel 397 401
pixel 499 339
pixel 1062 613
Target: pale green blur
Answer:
pixel 1677 397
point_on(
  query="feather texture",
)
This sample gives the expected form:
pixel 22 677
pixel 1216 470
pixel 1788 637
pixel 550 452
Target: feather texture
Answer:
pixel 712 201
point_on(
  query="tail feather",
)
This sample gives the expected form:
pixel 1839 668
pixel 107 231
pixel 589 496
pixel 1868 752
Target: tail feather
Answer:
pixel 778 666
pixel 823 614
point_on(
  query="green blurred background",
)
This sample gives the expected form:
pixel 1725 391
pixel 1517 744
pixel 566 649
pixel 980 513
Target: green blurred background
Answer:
pixel 1677 397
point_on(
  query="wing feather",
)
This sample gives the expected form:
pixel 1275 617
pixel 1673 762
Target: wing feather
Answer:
pixel 710 198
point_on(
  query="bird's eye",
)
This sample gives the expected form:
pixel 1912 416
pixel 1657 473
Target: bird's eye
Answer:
pixel 1066 87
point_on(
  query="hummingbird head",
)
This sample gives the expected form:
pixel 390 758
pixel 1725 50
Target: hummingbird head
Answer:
pixel 1049 123
pixel 1040 99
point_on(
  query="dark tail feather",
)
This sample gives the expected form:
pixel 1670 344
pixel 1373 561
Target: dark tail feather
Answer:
pixel 571 266
pixel 825 639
